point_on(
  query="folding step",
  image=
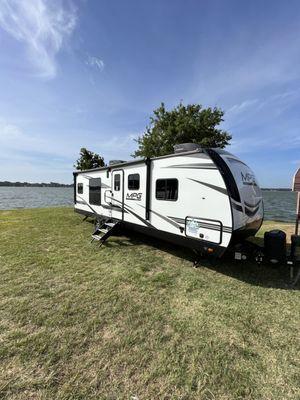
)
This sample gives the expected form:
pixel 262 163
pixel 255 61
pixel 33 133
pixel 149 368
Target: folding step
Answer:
pixel 111 224
pixel 96 237
pixel 103 230
pixel 107 229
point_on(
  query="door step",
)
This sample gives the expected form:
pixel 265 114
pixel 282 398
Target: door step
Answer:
pixel 104 231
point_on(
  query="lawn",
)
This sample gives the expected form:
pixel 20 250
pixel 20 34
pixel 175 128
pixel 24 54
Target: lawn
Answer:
pixel 134 320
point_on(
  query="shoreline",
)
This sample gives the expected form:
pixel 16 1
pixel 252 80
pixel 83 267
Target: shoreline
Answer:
pixel 276 224
pixel 55 207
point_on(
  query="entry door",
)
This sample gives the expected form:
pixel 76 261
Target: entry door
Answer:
pixel 117 186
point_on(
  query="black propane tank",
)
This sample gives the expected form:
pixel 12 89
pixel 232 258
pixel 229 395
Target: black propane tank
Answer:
pixel 275 246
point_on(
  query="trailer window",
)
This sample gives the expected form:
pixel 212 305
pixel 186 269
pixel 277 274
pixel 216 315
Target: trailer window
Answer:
pixel 117 182
pixel 166 189
pixel 134 182
pixel 79 188
pixel 95 191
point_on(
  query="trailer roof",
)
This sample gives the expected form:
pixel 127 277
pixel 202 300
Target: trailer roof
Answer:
pixel 140 160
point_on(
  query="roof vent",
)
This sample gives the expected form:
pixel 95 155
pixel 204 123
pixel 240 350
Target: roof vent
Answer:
pixel 181 148
pixel 114 162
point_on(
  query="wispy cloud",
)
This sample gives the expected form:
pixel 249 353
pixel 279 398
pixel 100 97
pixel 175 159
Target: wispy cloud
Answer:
pixel 241 107
pixel 275 103
pixel 266 140
pixel 9 132
pixel 43 26
pixel 95 62
pixel 28 155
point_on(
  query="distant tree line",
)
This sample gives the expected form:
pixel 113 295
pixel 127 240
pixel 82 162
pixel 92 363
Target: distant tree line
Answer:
pixel 277 189
pixel 43 184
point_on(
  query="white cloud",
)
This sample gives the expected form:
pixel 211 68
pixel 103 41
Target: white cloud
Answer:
pixel 9 131
pixel 267 140
pixel 241 107
pixel 265 107
pixel 15 138
pixel 29 156
pixel 42 25
pixel 95 62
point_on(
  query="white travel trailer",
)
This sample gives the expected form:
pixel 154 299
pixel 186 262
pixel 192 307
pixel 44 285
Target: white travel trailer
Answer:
pixel 205 199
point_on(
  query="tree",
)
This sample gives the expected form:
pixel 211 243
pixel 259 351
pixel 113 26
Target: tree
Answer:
pixel 88 160
pixel 183 124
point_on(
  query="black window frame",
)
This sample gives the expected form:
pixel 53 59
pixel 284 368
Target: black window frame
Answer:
pixel 165 180
pixel 95 190
pixel 80 188
pixel 134 180
pixel 119 178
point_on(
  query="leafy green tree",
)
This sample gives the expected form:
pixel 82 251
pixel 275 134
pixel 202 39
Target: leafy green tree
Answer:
pixel 88 160
pixel 183 124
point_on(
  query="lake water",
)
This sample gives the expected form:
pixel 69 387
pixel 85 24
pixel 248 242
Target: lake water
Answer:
pixel 279 206
pixel 32 197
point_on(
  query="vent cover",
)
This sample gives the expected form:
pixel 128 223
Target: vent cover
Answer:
pixel 114 162
pixel 180 148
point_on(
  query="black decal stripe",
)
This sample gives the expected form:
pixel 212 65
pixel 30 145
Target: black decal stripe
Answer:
pixel 251 213
pixel 87 204
pixel 182 221
pixel 210 228
pixel 235 160
pixel 140 218
pixel 217 188
pixel 250 183
pixel 118 201
pixel 114 208
pixel 163 217
pixel 252 205
pixel 179 220
pixel 166 219
pixel 226 174
pixel 126 208
pixel 88 177
pixel 194 166
pixel 210 225
pixel 214 227
pixel 198 156
pixel 172 220
pixel 237 207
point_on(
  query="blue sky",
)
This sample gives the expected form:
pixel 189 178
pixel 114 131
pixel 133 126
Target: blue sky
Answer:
pixel 89 73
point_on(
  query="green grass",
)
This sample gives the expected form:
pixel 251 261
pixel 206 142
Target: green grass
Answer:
pixel 135 321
